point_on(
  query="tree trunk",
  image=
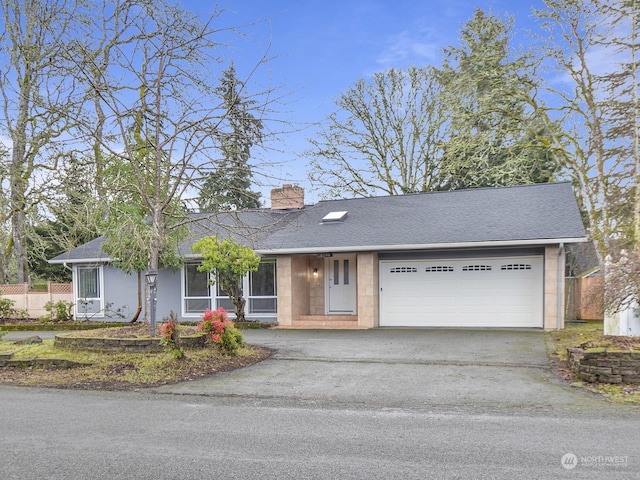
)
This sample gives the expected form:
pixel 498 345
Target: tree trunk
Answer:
pixel 139 309
pixel 18 221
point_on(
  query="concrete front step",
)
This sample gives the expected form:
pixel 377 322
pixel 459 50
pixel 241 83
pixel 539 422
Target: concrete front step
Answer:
pixel 326 321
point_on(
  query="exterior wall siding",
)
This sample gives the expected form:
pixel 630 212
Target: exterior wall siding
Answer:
pixel 169 294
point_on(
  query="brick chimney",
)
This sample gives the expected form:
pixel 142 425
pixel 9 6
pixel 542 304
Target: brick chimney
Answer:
pixel 287 197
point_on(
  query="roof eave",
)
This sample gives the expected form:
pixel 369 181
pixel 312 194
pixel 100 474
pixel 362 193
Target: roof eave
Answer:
pixel 371 248
pixel 427 246
pixel 62 261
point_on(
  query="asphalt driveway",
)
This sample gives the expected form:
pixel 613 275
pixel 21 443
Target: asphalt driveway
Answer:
pixel 400 367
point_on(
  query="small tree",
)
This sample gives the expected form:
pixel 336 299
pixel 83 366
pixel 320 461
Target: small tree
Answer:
pixel 230 261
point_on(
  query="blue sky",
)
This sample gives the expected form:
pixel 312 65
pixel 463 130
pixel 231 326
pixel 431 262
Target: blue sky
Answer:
pixel 322 47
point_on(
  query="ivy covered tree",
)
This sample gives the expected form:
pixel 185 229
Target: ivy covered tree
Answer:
pixel 229 262
pixel 228 186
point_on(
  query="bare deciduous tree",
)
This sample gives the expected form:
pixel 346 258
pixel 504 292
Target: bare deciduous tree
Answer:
pixel 36 101
pixel 384 139
pixel 601 114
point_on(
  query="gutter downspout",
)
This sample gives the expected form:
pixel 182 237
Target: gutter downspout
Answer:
pixel 73 290
pixel 560 292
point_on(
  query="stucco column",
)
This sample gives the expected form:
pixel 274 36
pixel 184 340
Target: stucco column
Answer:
pixel 293 288
pixel 551 269
pixel 368 290
pixel 285 295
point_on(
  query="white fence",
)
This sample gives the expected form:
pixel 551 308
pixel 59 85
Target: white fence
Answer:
pixel 34 301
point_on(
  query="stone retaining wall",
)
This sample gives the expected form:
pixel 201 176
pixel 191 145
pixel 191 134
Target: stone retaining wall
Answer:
pixel 602 366
pixel 124 344
pixel 7 360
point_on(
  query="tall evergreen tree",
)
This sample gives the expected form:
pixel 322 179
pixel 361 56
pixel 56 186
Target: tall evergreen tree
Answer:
pixel 494 137
pixel 228 187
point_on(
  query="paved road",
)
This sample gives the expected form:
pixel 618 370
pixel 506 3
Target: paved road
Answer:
pixel 19 335
pixel 367 404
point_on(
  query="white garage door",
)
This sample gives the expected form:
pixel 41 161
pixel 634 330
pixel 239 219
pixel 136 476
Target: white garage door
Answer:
pixel 480 292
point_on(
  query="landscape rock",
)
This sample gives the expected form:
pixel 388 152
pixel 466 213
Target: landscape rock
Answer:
pixel 29 340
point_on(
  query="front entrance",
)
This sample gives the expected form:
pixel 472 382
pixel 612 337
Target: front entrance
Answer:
pixel 340 275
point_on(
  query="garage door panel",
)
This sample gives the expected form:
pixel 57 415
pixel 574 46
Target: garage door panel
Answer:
pixel 517 301
pixel 476 301
pixel 497 292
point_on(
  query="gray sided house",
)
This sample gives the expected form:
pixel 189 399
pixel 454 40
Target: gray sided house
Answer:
pixel 469 258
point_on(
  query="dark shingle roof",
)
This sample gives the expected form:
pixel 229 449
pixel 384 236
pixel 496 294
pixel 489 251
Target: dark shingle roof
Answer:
pixel 528 214
pixel 524 213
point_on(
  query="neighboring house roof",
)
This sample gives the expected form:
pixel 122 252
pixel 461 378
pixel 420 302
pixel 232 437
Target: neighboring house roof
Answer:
pixel 582 260
pixel 523 215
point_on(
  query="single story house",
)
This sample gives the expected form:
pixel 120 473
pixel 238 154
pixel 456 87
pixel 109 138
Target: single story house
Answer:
pixel 490 257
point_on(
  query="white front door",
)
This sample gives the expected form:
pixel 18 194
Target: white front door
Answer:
pixel 340 275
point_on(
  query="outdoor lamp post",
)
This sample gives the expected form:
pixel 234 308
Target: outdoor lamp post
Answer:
pixel 152 277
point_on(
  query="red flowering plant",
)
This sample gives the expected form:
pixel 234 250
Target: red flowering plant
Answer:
pixel 171 338
pixel 220 330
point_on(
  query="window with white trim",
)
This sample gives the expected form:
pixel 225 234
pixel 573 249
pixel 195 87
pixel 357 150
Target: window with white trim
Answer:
pixel 222 299
pixel 197 291
pixel 263 289
pixel 88 282
pixel 260 285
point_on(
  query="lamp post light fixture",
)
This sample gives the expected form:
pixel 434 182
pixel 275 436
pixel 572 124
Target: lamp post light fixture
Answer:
pixel 152 277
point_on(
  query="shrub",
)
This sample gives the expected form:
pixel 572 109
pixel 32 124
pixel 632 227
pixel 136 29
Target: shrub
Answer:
pixel 59 311
pixel 171 336
pixel 3 333
pixel 6 308
pixel 220 330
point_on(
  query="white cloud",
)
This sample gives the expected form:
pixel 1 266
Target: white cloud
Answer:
pixel 406 48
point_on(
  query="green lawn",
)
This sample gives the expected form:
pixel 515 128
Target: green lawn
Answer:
pixel 121 370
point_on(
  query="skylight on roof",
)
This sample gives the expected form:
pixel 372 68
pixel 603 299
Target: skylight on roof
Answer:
pixel 334 216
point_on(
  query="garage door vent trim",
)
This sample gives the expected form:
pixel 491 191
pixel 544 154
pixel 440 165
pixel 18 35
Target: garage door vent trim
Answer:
pixel 439 268
pixel 516 266
pixel 404 270
pixel 476 268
